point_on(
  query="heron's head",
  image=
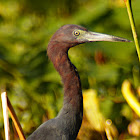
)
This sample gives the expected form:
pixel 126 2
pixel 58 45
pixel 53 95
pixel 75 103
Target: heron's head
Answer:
pixel 74 34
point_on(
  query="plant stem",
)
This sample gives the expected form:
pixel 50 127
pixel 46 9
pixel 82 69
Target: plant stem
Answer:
pixel 15 120
pixel 5 115
pixel 132 23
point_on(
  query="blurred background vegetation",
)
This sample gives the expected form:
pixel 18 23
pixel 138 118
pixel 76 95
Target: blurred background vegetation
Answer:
pixel 33 85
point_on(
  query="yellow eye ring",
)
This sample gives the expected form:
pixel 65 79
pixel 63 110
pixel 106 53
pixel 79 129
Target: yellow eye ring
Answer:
pixel 76 33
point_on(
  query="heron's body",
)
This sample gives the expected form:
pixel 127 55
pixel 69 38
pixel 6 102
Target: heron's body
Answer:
pixel 68 122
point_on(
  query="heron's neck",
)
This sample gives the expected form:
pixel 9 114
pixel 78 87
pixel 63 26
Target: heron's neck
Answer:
pixel 73 100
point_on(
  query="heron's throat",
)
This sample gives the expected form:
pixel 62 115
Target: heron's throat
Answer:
pixel 70 78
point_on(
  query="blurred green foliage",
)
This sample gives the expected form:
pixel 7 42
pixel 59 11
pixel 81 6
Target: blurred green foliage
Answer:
pixel 33 85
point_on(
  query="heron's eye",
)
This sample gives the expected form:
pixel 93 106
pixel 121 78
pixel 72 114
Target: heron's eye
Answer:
pixel 76 33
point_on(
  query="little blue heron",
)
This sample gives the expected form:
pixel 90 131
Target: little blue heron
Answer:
pixel 68 122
